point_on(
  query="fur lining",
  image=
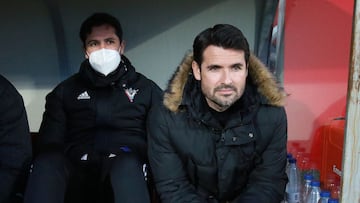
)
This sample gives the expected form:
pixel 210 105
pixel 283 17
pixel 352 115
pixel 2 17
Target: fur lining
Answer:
pixel 263 79
pixel 266 82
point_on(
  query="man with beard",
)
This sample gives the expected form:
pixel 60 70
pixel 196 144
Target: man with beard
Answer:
pixel 221 134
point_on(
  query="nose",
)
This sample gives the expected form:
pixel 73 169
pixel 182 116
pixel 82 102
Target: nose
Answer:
pixel 102 45
pixel 226 77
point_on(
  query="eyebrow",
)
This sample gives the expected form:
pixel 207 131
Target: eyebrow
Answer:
pixel 106 39
pixel 219 66
pixel 213 66
pixel 237 64
pixel 110 38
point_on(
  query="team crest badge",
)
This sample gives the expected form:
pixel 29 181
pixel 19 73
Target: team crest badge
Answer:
pixel 130 93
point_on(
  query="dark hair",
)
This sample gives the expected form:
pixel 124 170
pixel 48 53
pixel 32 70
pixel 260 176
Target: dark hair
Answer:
pixel 98 19
pixel 221 35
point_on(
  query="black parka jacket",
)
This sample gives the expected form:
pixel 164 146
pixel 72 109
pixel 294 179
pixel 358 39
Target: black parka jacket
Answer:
pixel 15 141
pixel 90 114
pixel 194 159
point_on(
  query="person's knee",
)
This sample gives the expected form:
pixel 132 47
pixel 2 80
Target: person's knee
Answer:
pixel 128 180
pixel 47 179
pixel 127 162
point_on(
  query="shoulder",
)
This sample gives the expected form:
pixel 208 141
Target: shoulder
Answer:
pixel 147 84
pixel 71 80
pixel 11 102
pixel 6 85
pixel 157 112
pixel 8 90
pixel 68 83
pixel 161 115
pixel 145 80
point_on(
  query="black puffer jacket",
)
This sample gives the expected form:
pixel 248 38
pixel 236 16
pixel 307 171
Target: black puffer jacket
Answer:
pixel 194 159
pixel 92 114
pixel 15 142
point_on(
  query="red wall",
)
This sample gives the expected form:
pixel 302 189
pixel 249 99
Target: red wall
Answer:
pixel 316 65
pixel 316 62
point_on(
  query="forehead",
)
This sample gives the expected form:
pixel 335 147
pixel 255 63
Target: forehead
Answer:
pixel 102 32
pixel 218 55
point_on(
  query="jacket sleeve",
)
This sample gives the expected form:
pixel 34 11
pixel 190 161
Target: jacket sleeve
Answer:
pixel 53 126
pixel 15 142
pixel 167 169
pixel 268 180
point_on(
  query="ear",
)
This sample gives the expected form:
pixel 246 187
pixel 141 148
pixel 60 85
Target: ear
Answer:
pixel 122 47
pixel 196 70
pixel 86 53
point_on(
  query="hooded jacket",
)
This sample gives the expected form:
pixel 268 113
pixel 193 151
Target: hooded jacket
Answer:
pixel 15 142
pixel 196 159
pixel 92 114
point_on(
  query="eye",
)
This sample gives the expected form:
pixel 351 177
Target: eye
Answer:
pixel 110 41
pixel 213 68
pixel 237 67
pixel 92 44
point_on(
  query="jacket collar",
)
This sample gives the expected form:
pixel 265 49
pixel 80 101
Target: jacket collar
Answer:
pixel 182 81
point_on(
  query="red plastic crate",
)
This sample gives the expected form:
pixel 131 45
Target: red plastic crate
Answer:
pixel 332 151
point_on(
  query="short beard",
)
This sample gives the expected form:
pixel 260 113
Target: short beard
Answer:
pixel 223 105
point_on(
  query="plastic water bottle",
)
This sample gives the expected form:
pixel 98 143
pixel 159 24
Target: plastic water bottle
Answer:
pixel 305 190
pixel 324 196
pixel 293 186
pixel 288 157
pixel 331 200
pixel 314 195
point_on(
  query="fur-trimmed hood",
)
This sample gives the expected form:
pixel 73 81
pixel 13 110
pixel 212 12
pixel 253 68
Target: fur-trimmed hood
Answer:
pixel 262 78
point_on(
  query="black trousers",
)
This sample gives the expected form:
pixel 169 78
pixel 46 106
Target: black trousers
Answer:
pixel 55 179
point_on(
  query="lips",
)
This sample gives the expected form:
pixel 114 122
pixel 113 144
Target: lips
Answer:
pixel 225 91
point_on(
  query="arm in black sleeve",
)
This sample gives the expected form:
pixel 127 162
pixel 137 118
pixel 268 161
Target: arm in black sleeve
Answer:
pixel 15 140
pixel 53 126
pixel 170 177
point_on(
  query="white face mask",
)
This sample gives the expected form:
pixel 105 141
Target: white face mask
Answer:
pixel 104 61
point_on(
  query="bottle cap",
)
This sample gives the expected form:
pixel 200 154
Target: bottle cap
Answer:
pixel 308 176
pixel 325 193
pixel 333 200
pixel 292 160
pixel 315 183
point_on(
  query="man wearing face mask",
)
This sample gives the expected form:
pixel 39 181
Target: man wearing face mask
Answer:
pixel 93 133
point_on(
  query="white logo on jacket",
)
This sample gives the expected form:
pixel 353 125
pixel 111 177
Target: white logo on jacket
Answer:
pixel 83 95
pixel 130 93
